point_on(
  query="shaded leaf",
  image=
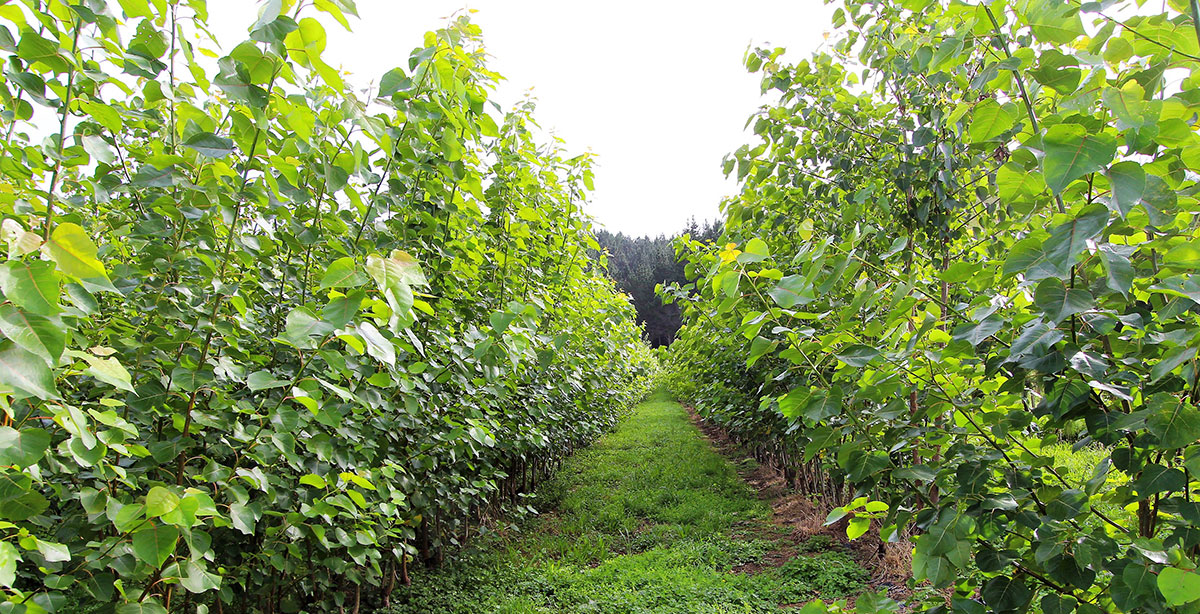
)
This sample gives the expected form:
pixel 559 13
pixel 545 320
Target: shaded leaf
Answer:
pixel 209 145
pixel 791 291
pixel 23 448
pixel 26 373
pixel 1071 152
pixel 33 332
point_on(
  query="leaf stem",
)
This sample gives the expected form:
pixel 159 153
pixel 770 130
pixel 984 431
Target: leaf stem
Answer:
pixel 1021 86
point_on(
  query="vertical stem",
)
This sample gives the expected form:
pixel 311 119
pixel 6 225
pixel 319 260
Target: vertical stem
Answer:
pixel 171 76
pixel 62 133
pixel 1021 86
pixel 1196 18
pixel 216 305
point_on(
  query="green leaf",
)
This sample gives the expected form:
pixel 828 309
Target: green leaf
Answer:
pixel 759 347
pixel 1004 594
pixel 1118 50
pixel 33 332
pixel 1157 479
pixel 154 543
pixel 1058 72
pixel 8 564
pixel 1127 104
pixel 1128 181
pixel 103 114
pixel 26 373
pixel 1175 421
pixel 17 501
pixel 1117 267
pixel 1058 302
pixel 53 552
pixel 398 268
pixel 791 404
pixel 302 325
pixel 793 290
pixel 23 448
pixel 395 276
pixel 149 606
pixel 501 320
pixel 858 526
pixel 394 81
pixel 990 120
pixel 275 32
pixel 343 273
pixel 1054 256
pixel 136 8
pixel 1071 153
pixel 197 579
pixel 149 176
pixel 37 50
pixel 73 251
pixel 234 82
pixel 189 380
pixel 1160 200
pixel 267 13
pixel 33 287
pixel 342 310
pixel 263 380
pixel 756 251
pixel 858 355
pixel 1035 339
pixel 451 146
pixel 99 149
pixel 159 501
pixel 313 480
pixel 1054 22
pixel 1017 186
pixel 821 438
pixel 1184 255
pixel 244 517
pixel 306 44
pixel 377 346
pixel 1179 586
pixel 110 371
pixel 209 145
pixel 976 333
pixel 823 404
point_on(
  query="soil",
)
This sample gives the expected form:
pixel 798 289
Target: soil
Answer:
pixel 796 518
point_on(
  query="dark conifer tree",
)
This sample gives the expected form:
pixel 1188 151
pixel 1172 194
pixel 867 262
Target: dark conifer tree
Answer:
pixel 638 264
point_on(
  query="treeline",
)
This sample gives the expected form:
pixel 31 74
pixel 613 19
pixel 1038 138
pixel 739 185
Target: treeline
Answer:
pixel 639 264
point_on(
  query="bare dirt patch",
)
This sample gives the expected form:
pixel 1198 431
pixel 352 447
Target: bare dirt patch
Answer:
pixel 796 519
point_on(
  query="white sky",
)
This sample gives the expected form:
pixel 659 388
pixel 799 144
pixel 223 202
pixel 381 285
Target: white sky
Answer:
pixel 656 88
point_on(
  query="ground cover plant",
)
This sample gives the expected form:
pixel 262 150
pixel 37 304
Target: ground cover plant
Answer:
pixel 650 519
pixel 957 295
pixel 268 341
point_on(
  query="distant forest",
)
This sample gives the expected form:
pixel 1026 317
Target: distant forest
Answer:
pixel 639 263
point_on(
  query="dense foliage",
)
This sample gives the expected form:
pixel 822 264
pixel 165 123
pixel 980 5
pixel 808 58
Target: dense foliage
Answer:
pixel 967 232
pixel 267 337
pixel 641 264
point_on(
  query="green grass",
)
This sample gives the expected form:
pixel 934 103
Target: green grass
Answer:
pixel 1079 466
pixel 650 519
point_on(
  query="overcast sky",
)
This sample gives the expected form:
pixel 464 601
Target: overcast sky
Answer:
pixel 655 88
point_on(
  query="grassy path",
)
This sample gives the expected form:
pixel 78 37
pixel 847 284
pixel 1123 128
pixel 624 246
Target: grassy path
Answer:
pixel 649 519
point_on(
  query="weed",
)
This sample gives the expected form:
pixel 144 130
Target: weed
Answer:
pixel 816 543
pixel 828 574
